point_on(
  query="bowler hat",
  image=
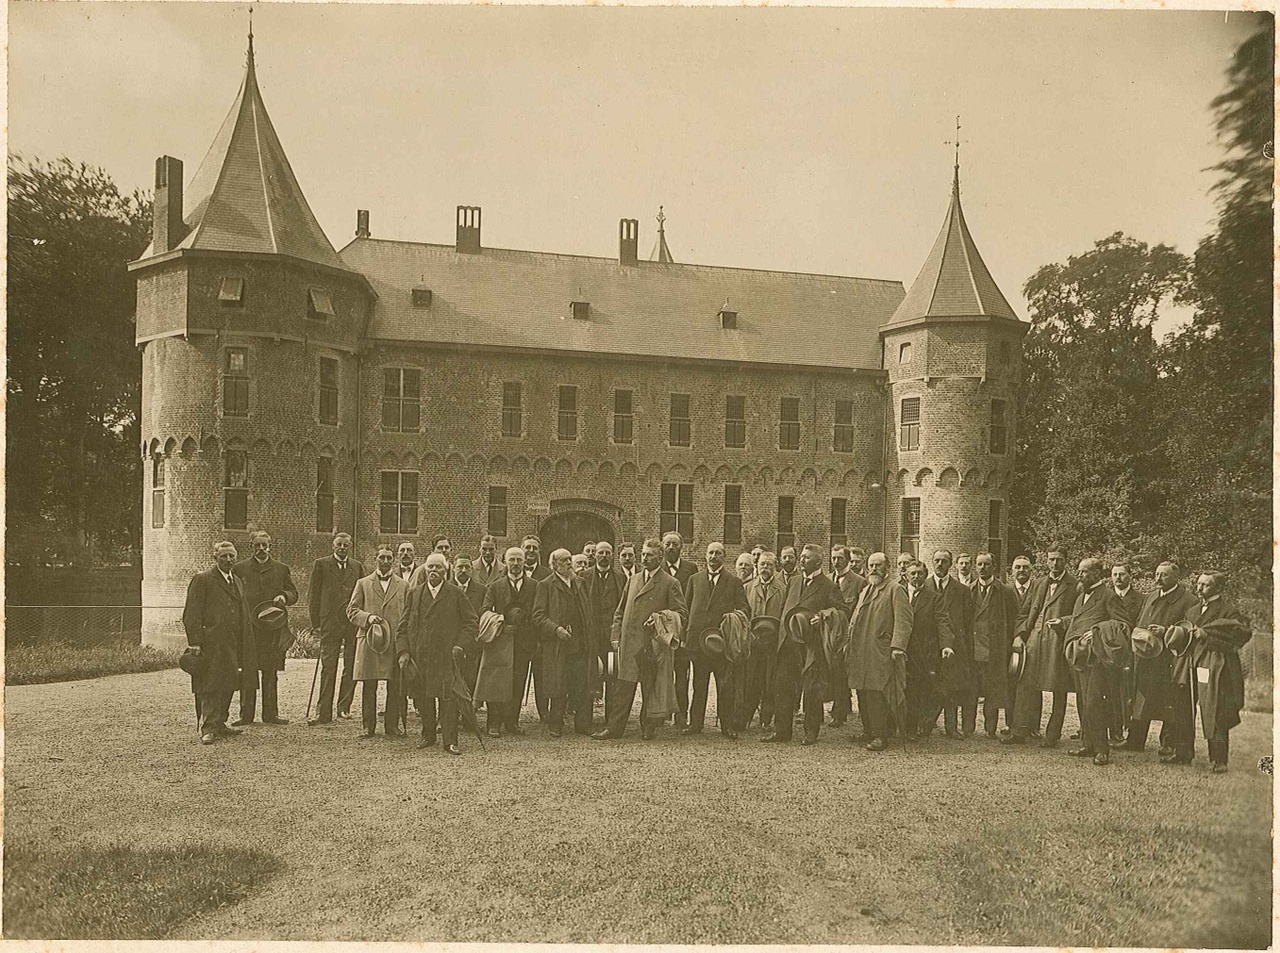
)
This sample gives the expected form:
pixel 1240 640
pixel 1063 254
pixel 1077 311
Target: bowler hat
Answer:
pixel 798 628
pixel 1077 651
pixel 378 635
pixel 1017 664
pixel 765 626
pixel 192 663
pixel 1146 644
pixel 1177 639
pixel 713 642
pixel 269 615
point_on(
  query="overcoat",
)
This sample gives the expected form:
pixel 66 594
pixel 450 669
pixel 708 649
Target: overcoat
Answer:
pixel 995 616
pixel 707 606
pixel 428 631
pixel 263 581
pixel 956 601
pixel 330 594
pixel 765 598
pixel 1103 606
pixel 850 585
pixel 369 599
pixel 216 618
pixel 604 593
pixel 821 593
pixel 881 622
pixel 1045 661
pixel 1216 653
pixel 930 631
pixel 558 603
pixel 485 575
pixel 497 658
pixel 683 571
pixel 641 601
pixel 1154 677
pixel 476 594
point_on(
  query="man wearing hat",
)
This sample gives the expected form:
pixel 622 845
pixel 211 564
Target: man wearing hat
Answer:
pixel 811 592
pixel 995 613
pixel 376 607
pixel 765 597
pixel 437 618
pixel 951 683
pixel 560 616
pixel 605 587
pixel 712 593
pixel 333 579
pixel 879 635
pixel 1046 670
pixel 1095 604
pixel 1154 696
pixel 931 642
pixel 504 661
pixel 1219 631
pixel 219 630
pixel 268 586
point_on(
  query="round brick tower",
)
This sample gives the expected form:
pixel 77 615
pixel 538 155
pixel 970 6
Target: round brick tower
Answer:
pixel 249 325
pixel 953 354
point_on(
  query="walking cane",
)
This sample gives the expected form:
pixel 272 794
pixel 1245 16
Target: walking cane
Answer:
pixel 528 680
pixel 311 693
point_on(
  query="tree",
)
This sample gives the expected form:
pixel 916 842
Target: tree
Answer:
pixel 74 373
pixel 1089 456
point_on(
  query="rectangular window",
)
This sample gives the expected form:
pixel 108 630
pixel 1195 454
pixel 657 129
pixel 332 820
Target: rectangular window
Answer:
pixel 839 522
pixel 319 305
pixel 497 511
pixel 158 465
pixel 235 383
pixel 842 436
pixel 324 495
pixel 786 522
pixel 236 490
pixel 999 433
pixel 732 514
pixel 512 410
pixel 789 424
pixel 910 422
pixel 567 422
pixel 911 526
pixel 399 509
pixel 329 391
pixel 401 399
pixel 681 426
pixel 623 419
pixel 231 292
pixel 675 509
pixel 995 525
pixel 735 421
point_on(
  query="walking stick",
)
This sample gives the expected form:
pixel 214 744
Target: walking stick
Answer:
pixel 311 693
pixel 528 680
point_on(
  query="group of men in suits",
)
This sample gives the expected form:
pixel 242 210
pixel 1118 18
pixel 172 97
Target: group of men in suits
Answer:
pixel 780 636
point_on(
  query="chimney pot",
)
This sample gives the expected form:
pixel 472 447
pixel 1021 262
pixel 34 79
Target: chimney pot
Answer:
pixel 628 241
pixel 362 223
pixel 468 229
pixel 167 228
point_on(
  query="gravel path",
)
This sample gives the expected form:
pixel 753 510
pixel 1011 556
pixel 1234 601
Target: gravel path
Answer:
pixel 678 840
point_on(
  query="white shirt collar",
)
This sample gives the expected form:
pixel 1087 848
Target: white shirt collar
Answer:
pixel 435 590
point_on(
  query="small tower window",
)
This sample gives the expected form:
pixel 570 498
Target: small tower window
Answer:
pixel 910 424
pixel 789 423
pixel 235 383
pixel 842 435
pixel 231 292
pixel 235 490
pixel 904 353
pixel 999 431
pixel 422 297
pixel 911 525
pixel 158 465
pixel 319 305
pixel 329 391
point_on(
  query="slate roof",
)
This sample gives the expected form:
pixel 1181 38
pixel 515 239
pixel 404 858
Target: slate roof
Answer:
pixel 244 196
pixel 954 281
pixel 507 298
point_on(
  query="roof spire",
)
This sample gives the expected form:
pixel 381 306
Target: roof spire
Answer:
pixel 249 56
pixel 660 250
pixel 955 182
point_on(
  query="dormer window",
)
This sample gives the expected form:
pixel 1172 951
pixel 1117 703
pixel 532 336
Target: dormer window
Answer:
pixel 581 310
pixel 319 305
pixel 231 292
pixel 422 297
pixel 728 319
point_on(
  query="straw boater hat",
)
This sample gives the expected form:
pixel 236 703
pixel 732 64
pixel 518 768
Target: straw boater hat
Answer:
pixel 378 635
pixel 1146 644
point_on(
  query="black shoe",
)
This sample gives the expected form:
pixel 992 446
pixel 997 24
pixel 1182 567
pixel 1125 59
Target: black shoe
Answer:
pixel 1049 743
pixel 275 721
pixel 771 736
pixel 320 721
pixel 1218 767
pixel 365 733
pixel 1075 736
pixel 556 732
pixel 836 723
pixel 1082 752
pixel 877 744
pixel 1035 733
pixel 646 732
pixel 345 715
pixel 991 733
pixel 241 722
pixel 1166 752
pixel 729 733
pixel 208 738
pixel 809 740
pixel 453 749
pixel 395 732
pixel 680 719
pixel 514 730
pixel 426 742
pixel 1101 758
pixel 1132 745
pixel 1013 740
pixel 690 730
pixel 604 735
pixel 225 732
pixel 494 733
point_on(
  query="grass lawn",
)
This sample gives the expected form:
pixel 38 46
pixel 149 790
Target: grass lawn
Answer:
pixel 678 840
pixel 60 661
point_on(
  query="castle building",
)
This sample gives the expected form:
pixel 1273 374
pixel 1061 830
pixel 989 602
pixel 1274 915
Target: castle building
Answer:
pixel 397 389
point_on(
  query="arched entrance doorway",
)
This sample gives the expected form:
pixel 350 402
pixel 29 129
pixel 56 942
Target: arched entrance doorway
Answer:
pixel 572 530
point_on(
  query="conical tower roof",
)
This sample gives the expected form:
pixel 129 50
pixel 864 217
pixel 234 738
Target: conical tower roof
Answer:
pixel 954 281
pixel 244 197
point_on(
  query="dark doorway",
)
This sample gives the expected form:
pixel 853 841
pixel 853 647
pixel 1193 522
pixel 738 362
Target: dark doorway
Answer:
pixel 572 531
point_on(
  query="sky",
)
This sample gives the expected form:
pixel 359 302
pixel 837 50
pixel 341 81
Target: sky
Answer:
pixel 794 139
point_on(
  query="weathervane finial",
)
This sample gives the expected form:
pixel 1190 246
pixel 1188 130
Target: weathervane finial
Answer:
pixel 251 35
pixel 956 142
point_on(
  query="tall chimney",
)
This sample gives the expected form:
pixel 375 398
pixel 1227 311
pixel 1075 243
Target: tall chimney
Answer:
pixel 362 223
pixel 166 223
pixel 468 229
pixel 628 241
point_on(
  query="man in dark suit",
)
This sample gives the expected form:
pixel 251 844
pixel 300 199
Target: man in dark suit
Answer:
pixel 217 622
pixel 265 580
pixel 1095 603
pixel 560 617
pixel 405 564
pixel 606 586
pixel 627 559
pixel 1122 703
pixel 537 571
pixel 487 568
pixel 511 597
pixel 438 617
pixel 1046 670
pixel 476 594
pixel 1154 695
pixel 1220 633
pixel 652 589
pixel 1021 573
pixel 931 642
pixel 957 603
pixel 788 565
pixel 333 579
pixel 850 584
pixel 995 615
pixel 712 593
pixel 683 570
pixel 765 597
pixel 810 592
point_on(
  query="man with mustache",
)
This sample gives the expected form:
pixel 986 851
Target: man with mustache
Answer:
pixel 879 635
